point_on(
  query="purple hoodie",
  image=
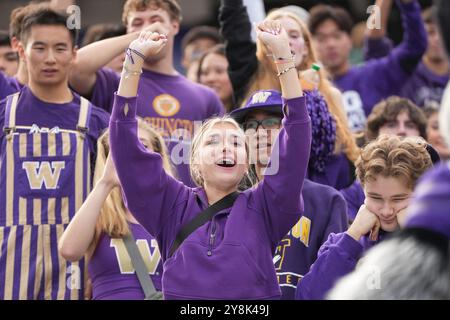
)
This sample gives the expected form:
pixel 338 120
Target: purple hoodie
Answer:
pixel 364 86
pixel 325 213
pixel 336 258
pixel 231 256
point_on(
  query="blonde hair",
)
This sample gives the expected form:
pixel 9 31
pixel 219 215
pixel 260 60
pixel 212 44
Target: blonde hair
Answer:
pixel 112 220
pixel 195 146
pixel 391 156
pixel 265 79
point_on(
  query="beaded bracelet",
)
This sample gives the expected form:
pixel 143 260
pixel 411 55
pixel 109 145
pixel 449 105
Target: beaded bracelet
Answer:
pixel 285 70
pixel 127 73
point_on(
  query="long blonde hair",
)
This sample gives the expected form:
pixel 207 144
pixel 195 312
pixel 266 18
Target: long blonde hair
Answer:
pixel 113 216
pixel 265 79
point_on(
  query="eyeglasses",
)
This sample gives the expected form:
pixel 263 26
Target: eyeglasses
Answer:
pixel 268 123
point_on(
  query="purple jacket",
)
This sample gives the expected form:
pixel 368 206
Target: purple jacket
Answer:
pixel 231 256
pixel 364 86
pixel 336 258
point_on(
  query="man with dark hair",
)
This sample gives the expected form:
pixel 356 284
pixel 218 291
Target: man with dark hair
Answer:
pixel 168 101
pixel 9 60
pixel 47 141
pixel 12 84
pixel 194 44
pixel 363 86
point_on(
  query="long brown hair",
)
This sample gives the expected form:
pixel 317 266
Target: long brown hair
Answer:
pixel 113 217
pixel 265 79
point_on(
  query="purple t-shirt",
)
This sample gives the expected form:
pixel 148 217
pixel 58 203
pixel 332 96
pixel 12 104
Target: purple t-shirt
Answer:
pixel 325 213
pixel 364 86
pixel 111 271
pixel 8 85
pixel 32 111
pixel 171 104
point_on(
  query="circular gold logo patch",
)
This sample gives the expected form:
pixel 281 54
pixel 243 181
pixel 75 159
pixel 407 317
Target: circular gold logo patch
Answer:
pixel 166 105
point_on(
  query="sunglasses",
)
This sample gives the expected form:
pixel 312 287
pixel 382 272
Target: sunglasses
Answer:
pixel 268 123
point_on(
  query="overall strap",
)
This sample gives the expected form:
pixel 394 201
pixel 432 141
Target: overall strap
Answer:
pixel 10 113
pixel 85 113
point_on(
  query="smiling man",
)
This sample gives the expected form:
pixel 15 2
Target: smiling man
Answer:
pixel 48 139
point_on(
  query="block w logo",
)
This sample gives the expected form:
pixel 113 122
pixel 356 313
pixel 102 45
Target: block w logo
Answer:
pixel 40 173
pixel 261 97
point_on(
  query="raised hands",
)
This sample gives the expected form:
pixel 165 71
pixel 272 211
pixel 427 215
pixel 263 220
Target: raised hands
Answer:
pixel 274 37
pixel 148 44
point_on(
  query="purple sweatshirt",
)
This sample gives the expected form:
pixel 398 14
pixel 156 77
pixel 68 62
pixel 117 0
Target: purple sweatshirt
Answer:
pixel 325 213
pixel 172 105
pixel 339 172
pixel 336 258
pixel 364 86
pixel 229 257
pixel 423 87
pixel 111 271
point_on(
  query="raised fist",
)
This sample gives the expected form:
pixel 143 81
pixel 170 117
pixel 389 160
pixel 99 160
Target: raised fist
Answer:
pixel 148 43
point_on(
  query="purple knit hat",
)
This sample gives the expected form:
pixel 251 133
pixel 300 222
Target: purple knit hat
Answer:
pixel 430 208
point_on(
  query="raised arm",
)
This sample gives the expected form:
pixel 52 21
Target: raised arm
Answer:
pixel 280 191
pixel 376 44
pixel 236 29
pixel 80 232
pixel 402 61
pixel 93 57
pixel 149 192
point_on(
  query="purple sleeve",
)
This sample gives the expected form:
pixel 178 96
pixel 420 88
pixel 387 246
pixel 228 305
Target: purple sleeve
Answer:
pixel 354 196
pixel 337 222
pixel 377 48
pixel 149 193
pixel 336 258
pixel 106 84
pixel 397 67
pixel 5 87
pixel 281 189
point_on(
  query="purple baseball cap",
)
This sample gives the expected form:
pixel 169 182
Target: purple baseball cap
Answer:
pixel 266 100
pixel 430 208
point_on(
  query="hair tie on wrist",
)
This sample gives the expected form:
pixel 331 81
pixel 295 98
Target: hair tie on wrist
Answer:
pixel 128 52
